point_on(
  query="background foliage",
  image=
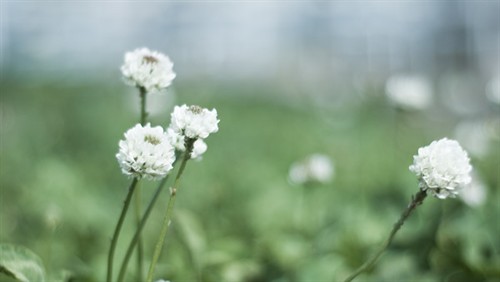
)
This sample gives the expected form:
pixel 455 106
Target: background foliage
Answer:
pixel 238 218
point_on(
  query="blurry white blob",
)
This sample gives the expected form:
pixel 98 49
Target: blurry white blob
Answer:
pixel 474 137
pixel 493 90
pixel 409 92
pixel 53 216
pixel 315 168
pixel 474 194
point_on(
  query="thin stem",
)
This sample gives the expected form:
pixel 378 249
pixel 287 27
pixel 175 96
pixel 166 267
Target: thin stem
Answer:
pixel 415 202
pixel 118 227
pixel 168 214
pixel 138 194
pixel 144 114
pixel 137 234
pixel 140 249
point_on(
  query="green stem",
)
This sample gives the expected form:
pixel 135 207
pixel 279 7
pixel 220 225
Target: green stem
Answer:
pixel 144 114
pixel 118 227
pixel 415 202
pixel 142 223
pixel 140 249
pixel 138 194
pixel 168 214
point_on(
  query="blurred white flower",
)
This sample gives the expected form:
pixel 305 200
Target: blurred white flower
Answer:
pixel 148 69
pixel 161 280
pixel 474 194
pixel 474 136
pixel 178 141
pixel 493 90
pixel 193 121
pixel 315 168
pixel 442 168
pixel 53 216
pixel 146 152
pixel 199 148
pixel 409 92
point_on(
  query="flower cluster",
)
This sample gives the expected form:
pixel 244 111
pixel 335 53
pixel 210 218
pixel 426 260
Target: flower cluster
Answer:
pixel 146 152
pixel 148 69
pixel 178 141
pixel 442 168
pixel 315 168
pixel 194 122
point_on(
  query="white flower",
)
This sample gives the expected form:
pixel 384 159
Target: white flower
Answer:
pixel 315 168
pixel 149 69
pixel 193 121
pixel 474 194
pixel 409 92
pixel 146 152
pixel 199 148
pixel 442 168
pixel 178 141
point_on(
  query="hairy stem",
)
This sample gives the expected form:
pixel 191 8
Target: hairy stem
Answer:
pixel 118 227
pixel 415 202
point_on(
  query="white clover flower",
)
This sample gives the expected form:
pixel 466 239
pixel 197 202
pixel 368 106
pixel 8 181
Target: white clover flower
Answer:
pixel 315 168
pixel 178 141
pixel 148 69
pixel 146 152
pixel 193 121
pixel 409 92
pixel 442 168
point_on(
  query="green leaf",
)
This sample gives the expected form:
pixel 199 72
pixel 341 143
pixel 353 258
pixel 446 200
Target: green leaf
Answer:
pixel 21 264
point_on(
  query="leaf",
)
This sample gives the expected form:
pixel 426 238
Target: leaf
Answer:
pixel 21 264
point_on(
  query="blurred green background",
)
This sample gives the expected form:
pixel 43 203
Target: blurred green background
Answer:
pixel 305 78
pixel 238 218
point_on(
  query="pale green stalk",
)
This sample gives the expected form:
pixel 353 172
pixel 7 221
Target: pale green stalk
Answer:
pixel 138 194
pixel 168 214
pixel 137 234
pixel 416 201
pixel 114 240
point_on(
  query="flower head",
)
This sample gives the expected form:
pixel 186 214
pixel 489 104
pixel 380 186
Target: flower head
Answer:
pixel 315 168
pixel 146 152
pixel 148 69
pixel 194 122
pixel 442 168
pixel 178 141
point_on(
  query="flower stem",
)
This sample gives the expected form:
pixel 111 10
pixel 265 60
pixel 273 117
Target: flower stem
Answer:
pixel 137 234
pixel 118 227
pixel 144 113
pixel 168 214
pixel 138 205
pixel 415 202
